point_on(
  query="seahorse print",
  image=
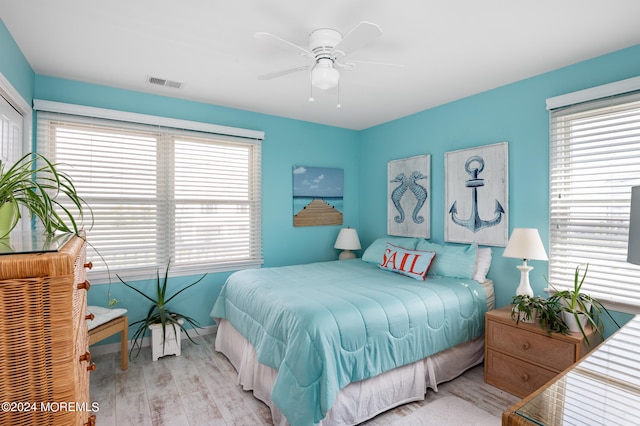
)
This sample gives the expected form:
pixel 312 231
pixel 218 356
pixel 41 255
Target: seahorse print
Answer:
pixel 420 192
pixel 397 194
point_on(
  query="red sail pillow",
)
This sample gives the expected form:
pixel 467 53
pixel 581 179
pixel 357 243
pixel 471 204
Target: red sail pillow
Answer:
pixel 412 263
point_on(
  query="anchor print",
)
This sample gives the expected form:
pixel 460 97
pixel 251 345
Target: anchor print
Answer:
pixel 474 222
pixel 418 191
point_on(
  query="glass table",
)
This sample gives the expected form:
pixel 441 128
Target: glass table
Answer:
pixel 36 242
pixel 601 389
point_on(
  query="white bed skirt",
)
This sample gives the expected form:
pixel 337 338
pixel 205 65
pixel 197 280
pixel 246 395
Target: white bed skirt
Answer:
pixel 361 400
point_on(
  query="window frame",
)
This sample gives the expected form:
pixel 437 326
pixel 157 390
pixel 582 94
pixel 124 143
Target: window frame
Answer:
pixel 168 132
pixel 610 276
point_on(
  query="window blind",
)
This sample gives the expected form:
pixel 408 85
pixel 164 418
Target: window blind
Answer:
pixel 594 162
pixel 160 194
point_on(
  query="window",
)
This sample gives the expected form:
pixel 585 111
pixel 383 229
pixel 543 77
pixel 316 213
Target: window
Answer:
pixel 160 193
pixel 595 160
pixel 15 116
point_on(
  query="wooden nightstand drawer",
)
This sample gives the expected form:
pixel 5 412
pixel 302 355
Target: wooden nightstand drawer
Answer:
pixel 530 346
pixel 513 375
pixel 519 358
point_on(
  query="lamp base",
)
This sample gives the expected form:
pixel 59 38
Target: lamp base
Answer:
pixel 524 287
pixel 346 255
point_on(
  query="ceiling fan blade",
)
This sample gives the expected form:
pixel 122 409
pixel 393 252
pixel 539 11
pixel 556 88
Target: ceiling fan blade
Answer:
pixel 277 74
pixel 362 34
pixel 282 43
pixel 351 64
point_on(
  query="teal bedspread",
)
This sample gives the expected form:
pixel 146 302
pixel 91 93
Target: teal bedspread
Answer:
pixel 325 325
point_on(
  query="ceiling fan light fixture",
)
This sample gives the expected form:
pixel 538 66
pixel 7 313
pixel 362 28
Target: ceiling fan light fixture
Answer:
pixel 324 76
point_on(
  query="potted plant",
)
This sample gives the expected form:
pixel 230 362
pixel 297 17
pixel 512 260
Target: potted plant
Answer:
pixel 579 309
pixel 35 183
pixel 164 323
pixel 536 309
pixel 550 318
pixel 526 308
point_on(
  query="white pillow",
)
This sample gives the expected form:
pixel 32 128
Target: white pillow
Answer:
pixel 483 263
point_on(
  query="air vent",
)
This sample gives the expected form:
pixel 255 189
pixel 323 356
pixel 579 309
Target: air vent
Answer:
pixel 162 82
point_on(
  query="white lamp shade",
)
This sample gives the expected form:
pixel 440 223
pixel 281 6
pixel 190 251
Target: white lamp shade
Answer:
pixel 347 240
pixel 525 243
pixel 633 251
pixel 324 76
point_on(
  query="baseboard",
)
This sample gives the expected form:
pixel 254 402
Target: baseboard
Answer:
pixel 109 348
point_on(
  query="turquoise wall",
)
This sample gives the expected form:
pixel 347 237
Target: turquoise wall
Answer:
pixel 286 143
pixel 514 113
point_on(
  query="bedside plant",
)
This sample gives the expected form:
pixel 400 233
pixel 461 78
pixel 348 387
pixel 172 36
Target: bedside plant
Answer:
pixel 159 313
pixel 37 187
pixel 527 308
pixel 536 309
pixel 579 309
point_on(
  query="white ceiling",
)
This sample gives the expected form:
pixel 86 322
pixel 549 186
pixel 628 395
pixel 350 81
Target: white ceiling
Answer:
pixel 449 48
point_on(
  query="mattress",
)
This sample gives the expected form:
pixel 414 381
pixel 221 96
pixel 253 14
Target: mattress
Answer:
pixel 363 322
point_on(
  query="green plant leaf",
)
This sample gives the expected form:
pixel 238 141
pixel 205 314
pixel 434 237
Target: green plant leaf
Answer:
pixel 159 313
pixel 35 183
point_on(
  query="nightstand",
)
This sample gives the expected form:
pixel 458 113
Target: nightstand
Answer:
pixel 520 358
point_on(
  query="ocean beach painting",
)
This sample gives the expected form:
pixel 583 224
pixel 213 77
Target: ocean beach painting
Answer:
pixel 317 196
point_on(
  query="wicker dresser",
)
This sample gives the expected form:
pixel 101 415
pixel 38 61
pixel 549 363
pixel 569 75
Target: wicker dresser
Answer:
pixel 44 357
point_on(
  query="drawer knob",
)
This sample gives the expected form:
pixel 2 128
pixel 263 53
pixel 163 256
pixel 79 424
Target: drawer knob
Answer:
pixel 91 421
pixel 526 345
pixel 89 317
pixel 91 367
pixel 84 285
pixel 88 265
pixel 85 356
pixel 524 377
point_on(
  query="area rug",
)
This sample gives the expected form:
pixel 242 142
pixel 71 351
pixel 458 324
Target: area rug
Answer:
pixel 449 410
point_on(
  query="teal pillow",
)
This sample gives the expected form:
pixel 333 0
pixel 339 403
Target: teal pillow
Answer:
pixel 375 252
pixel 454 261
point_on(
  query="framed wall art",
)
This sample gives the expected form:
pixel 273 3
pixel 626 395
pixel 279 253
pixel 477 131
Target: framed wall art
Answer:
pixel 476 195
pixel 409 197
pixel 317 196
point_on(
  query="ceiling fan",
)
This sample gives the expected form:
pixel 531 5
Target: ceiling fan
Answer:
pixel 328 49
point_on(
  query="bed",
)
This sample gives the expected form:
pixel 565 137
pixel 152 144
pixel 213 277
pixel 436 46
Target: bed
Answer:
pixel 336 343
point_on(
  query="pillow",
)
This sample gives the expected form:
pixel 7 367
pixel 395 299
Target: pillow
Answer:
pixel 451 260
pixel 412 263
pixel 374 253
pixel 102 315
pixel 483 263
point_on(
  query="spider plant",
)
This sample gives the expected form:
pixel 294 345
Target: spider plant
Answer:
pixel 526 308
pixel 35 183
pixel 536 309
pixel 580 306
pixel 159 313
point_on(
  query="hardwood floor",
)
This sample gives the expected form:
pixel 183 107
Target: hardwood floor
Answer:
pixel 199 388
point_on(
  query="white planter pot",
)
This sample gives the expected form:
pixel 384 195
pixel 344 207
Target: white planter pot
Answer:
pixel 572 323
pixel 170 345
pixel 523 318
pixel 570 319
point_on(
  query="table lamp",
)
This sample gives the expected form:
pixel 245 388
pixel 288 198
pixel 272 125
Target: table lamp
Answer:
pixel 347 240
pixel 633 252
pixel 525 244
